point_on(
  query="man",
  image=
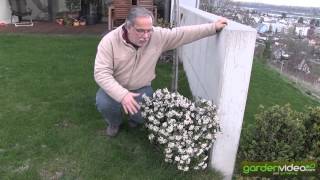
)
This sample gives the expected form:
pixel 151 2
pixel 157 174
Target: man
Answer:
pixel 126 60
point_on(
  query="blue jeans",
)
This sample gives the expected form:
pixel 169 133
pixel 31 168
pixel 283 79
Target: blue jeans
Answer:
pixel 111 110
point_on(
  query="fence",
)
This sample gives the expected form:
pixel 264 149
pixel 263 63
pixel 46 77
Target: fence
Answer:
pixel 219 68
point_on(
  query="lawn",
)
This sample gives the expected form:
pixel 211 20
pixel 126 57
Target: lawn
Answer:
pixel 268 87
pixel 50 127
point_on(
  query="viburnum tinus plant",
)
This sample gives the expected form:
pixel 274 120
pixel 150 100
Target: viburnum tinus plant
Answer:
pixel 184 130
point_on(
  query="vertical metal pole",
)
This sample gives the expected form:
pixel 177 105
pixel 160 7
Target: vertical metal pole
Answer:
pixel 167 6
pixel 175 67
pixel 197 4
pixel 50 10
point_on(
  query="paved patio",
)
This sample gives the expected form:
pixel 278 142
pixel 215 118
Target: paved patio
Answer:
pixel 54 28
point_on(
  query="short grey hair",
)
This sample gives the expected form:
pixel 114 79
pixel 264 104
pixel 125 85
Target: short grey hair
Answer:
pixel 135 12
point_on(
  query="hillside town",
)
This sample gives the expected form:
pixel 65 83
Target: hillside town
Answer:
pixel 290 42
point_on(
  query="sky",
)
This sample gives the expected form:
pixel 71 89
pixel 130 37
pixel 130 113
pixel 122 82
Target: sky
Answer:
pixel 304 3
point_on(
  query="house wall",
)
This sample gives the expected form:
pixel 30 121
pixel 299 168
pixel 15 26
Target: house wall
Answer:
pixel 61 4
pixel 36 12
pixel 218 68
pixel 5 12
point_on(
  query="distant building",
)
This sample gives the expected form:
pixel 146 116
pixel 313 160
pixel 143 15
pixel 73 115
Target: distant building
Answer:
pixel 303 66
pixel 273 27
pixel 262 28
pixel 301 30
pixel 280 55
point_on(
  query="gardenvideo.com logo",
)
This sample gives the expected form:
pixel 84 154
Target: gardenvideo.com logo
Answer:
pixel 301 168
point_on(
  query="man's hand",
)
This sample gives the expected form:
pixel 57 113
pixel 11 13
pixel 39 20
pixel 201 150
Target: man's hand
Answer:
pixel 220 24
pixel 129 104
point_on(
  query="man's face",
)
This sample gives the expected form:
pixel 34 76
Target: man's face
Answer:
pixel 140 32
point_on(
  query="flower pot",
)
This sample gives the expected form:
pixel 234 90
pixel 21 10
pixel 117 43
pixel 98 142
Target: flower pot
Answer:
pixel 83 23
pixel 60 21
pixel 76 23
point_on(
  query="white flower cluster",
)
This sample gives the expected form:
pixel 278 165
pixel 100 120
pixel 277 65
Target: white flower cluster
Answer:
pixel 185 130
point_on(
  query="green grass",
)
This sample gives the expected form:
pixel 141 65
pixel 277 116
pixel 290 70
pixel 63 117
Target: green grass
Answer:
pixel 268 88
pixel 50 127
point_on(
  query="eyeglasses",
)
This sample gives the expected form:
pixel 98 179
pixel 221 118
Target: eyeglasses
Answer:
pixel 143 31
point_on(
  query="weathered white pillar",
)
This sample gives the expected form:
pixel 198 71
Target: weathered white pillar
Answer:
pixel 219 68
pixel 5 12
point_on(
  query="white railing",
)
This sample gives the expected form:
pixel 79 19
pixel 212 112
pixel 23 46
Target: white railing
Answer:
pixel 219 68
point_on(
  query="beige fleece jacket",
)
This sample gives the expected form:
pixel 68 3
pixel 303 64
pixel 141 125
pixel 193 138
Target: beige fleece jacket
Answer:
pixel 119 67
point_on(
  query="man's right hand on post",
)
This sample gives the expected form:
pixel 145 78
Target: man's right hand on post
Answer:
pixel 129 104
pixel 220 24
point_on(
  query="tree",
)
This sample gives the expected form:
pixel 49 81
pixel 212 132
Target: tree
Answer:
pixel 300 20
pixel 283 15
pixel 292 30
pixel 261 20
pixel 311 32
pixel 317 23
pixel 270 29
pixel 267 51
pixel 312 22
pixel 298 50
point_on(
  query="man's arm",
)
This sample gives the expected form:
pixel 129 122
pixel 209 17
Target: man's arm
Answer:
pixel 103 71
pixel 173 38
pixel 103 74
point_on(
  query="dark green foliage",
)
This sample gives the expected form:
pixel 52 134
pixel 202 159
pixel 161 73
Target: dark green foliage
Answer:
pixel 312 125
pixel 283 134
pixel 317 23
pixel 312 21
pixel 300 20
pixel 278 135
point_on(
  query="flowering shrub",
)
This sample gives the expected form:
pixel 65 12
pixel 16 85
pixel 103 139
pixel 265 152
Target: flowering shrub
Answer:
pixel 184 130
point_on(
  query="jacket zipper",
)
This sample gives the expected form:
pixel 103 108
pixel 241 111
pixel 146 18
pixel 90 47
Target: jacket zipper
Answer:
pixel 133 68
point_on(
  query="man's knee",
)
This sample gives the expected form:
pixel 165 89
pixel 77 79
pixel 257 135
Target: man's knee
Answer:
pixel 103 101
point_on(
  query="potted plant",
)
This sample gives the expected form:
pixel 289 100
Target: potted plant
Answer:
pixel 82 21
pixel 60 17
pixel 76 22
pixel 60 21
pixel 183 130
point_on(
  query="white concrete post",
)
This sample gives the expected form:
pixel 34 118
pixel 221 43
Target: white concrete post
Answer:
pixel 219 68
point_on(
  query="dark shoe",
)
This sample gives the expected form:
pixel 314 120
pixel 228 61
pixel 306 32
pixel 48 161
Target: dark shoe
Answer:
pixel 132 124
pixel 112 130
